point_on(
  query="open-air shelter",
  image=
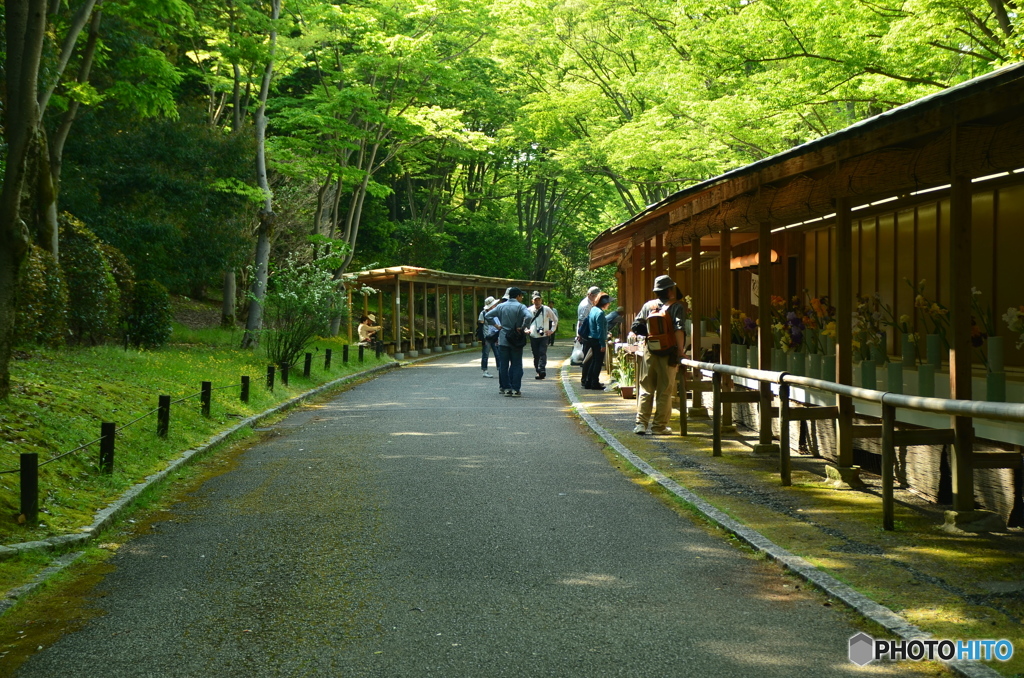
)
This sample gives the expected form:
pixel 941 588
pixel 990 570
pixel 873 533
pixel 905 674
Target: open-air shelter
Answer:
pixel 930 191
pixel 451 300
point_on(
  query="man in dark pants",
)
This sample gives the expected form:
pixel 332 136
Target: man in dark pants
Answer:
pixel 596 344
pixel 511 315
pixel 543 325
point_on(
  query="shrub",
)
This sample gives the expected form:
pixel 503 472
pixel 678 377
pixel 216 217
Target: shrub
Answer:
pixel 301 300
pixel 42 306
pixel 149 322
pixel 124 278
pixel 95 300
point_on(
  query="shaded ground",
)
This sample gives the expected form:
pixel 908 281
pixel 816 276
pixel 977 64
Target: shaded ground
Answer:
pixel 955 586
pixel 420 524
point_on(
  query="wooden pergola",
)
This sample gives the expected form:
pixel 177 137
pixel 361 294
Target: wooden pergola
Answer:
pixel 457 293
pixel 942 142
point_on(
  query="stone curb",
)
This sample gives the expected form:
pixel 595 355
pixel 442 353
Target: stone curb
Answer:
pixel 833 587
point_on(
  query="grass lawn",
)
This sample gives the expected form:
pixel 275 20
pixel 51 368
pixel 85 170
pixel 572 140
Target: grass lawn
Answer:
pixel 60 397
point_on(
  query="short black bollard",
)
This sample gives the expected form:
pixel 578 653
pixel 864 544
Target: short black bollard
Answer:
pixel 309 364
pixel 344 354
pixel 108 431
pixel 205 395
pixel 244 396
pixel 163 415
pixel 377 349
pixel 284 373
pixel 361 352
pixel 30 487
pixel 327 359
pixel 270 377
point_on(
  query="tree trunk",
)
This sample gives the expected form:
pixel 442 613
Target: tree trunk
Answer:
pixel 25 26
pixel 259 284
pixel 227 307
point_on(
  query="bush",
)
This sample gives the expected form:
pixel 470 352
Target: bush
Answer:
pixel 124 278
pixel 95 301
pixel 42 306
pixel 301 300
pixel 149 322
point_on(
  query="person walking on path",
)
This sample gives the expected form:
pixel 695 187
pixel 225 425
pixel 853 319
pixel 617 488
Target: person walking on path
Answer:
pixel 512 315
pixel 596 344
pixel 543 325
pixel 489 338
pixel 658 382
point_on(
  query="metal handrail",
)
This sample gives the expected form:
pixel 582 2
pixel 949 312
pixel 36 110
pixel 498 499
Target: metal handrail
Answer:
pixel 959 408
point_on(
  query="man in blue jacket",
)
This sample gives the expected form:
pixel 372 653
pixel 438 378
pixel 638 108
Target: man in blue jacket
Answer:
pixel 512 315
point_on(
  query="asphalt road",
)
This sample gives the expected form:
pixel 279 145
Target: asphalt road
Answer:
pixel 422 525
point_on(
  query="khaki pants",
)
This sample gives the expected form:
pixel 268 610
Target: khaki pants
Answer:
pixel 656 389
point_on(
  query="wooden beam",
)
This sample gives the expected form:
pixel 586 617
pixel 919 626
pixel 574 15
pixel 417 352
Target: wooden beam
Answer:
pixel 960 282
pixel 843 266
pixel 397 313
pixel 764 332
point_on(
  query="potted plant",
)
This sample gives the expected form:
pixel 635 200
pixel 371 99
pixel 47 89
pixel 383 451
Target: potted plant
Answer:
pixel 625 373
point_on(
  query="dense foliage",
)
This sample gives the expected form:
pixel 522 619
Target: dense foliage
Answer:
pixel 148 324
pixel 495 137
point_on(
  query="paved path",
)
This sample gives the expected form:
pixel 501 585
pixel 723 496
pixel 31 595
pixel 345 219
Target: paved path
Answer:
pixel 422 525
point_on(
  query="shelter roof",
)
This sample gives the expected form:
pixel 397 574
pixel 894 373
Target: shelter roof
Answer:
pixel 430 276
pixel 904 150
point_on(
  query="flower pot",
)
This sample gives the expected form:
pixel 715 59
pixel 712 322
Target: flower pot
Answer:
pixel 797 364
pixel 894 378
pixel 739 355
pixel 868 378
pixel 814 366
pixel 995 387
pixel 933 345
pixel 830 346
pixel 828 367
pixel 926 380
pixel 908 351
pixel 878 354
pixel 778 359
pixel 995 354
pixel 628 392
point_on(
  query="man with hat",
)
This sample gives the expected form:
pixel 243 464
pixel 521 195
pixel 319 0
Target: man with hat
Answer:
pixel 583 321
pixel 659 382
pixel 543 324
pixel 488 336
pixel 510 315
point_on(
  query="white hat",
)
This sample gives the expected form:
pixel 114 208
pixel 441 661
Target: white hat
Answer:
pixel 536 295
pixel 489 300
pixel 371 317
pixel 593 290
pixel 508 294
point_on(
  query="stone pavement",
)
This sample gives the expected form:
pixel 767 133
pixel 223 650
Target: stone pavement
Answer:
pixel 951 586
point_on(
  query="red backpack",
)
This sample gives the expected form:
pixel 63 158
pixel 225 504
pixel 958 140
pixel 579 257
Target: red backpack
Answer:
pixel 661 330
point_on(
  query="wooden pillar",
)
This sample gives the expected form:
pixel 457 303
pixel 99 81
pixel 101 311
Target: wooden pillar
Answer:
pixel 672 256
pixel 413 352
pixel 380 313
pixel 439 345
pixel 696 312
pixel 725 304
pixel 348 291
pixel 448 312
pixel 659 254
pixel 397 314
pixel 462 316
pixel 844 474
pixel 648 277
pixel 638 281
pixel 764 334
pixel 960 282
pixel 426 335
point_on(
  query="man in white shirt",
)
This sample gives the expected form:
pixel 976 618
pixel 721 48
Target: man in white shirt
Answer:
pixel 543 325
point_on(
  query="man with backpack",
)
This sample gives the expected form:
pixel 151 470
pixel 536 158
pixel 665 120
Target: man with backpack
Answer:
pixel 514 319
pixel 661 325
pixel 543 324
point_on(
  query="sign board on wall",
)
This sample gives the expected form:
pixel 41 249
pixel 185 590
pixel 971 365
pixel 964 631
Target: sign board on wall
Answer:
pixel 754 289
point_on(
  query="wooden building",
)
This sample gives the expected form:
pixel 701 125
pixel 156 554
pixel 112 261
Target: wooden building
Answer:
pixel 447 305
pixel 926 199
